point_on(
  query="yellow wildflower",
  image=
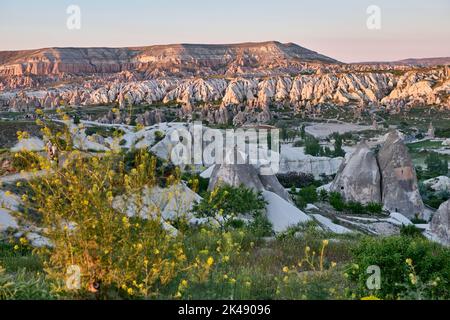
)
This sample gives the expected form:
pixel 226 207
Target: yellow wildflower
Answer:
pixel 370 298
pixel 210 261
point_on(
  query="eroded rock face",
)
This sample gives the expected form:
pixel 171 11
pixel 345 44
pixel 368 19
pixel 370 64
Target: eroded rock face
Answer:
pixel 400 192
pixel 440 224
pixel 359 177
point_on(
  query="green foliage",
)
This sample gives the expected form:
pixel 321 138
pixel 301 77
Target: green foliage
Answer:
pixel 436 166
pixel 195 182
pixel 431 197
pixel 355 207
pixel 323 195
pixel 226 203
pixel 339 204
pixel 443 132
pixel 312 146
pixel 296 179
pixel 309 194
pixel 76 119
pixel 411 231
pixel 338 151
pixel 407 265
pixel 159 135
pixel 24 286
pixel 26 160
pixel 300 202
pixel 374 207
pixel 336 201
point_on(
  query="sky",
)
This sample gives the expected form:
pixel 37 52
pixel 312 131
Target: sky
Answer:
pixel 407 28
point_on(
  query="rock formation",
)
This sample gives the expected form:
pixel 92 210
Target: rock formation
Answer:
pixel 440 224
pixel 388 178
pixel 246 174
pixel 400 192
pixel 250 76
pixel 359 177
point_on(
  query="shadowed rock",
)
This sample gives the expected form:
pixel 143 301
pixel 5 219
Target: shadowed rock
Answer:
pixel 235 175
pixel 271 183
pixel 247 175
pixel 400 192
pixel 359 177
pixel 440 224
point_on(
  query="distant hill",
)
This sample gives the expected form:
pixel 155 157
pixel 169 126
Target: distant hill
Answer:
pixel 191 58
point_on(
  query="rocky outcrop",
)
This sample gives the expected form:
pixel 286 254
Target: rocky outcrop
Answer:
pixel 400 192
pixel 235 175
pixel 388 178
pixel 245 174
pixel 250 97
pixel 359 177
pixel 440 224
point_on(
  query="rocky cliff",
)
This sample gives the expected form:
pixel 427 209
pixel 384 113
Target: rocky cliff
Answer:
pixel 159 60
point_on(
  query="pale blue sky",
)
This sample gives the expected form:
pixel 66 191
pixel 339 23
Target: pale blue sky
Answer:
pixel 409 28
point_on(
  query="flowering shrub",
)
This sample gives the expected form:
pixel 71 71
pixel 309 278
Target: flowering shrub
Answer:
pixel 395 257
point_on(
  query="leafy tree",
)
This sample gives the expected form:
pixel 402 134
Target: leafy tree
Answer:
pixel 309 194
pixel 338 151
pixel 226 203
pixel 435 165
pixel 312 146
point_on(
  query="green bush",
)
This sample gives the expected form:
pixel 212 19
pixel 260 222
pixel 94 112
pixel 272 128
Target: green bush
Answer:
pixel 23 286
pixel 195 182
pixel 409 266
pixel 309 194
pixel 312 146
pixel 296 179
pixel 355 207
pixel 300 202
pixel 374 207
pixel 411 231
pixel 226 203
pixel 339 204
pixel 336 201
pixel 436 166
pixel 159 135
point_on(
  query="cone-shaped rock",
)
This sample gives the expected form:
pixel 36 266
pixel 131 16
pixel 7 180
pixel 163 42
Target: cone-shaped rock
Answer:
pixel 235 175
pixel 359 177
pixel 400 192
pixel 235 172
pixel 440 224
